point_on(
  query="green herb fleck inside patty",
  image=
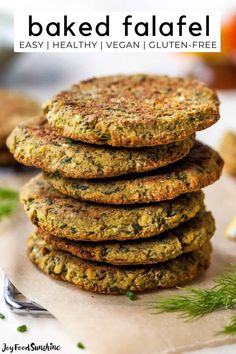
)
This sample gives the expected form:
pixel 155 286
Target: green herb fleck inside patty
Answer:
pixel 69 141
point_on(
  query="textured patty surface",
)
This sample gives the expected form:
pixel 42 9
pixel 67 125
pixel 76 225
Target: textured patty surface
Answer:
pixel 108 279
pixel 201 167
pixel 186 237
pixel 15 108
pixel 136 110
pixel 67 218
pixel 36 144
pixel 228 152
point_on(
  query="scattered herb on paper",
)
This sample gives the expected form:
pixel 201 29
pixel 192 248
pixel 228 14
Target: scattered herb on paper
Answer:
pixel 8 201
pixel 231 328
pixel 22 328
pixel 2 317
pixel 197 302
pixel 130 295
pixel 80 345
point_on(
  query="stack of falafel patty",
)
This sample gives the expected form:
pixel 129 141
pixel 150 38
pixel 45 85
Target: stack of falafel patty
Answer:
pixel 119 205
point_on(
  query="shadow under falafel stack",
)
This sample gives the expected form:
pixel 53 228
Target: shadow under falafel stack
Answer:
pixel 119 206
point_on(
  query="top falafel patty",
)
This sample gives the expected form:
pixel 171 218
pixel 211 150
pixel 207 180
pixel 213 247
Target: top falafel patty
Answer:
pixel 133 110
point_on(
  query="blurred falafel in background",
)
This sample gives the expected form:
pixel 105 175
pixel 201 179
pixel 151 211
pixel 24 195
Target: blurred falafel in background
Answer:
pixel 15 108
pixel 228 152
pixel 218 69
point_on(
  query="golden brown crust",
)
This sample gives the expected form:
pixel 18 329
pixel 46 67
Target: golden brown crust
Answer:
pixel 65 217
pixel 15 108
pixel 35 144
pixel 201 167
pixel 135 110
pixel 187 237
pixel 110 279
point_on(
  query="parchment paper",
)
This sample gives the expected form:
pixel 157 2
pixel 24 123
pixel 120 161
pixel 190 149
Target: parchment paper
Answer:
pixel 113 324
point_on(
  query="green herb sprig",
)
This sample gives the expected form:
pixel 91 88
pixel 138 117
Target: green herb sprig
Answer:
pixel 8 201
pixel 197 302
pixel 8 193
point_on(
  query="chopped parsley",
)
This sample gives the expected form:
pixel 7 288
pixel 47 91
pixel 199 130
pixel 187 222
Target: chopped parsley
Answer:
pixel 22 328
pixel 80 345
pixel 130 295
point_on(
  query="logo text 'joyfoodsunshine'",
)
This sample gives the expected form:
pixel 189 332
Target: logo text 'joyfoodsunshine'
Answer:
pixel 31 347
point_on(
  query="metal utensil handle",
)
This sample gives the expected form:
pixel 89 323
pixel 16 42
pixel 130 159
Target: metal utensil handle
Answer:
pixel 21 307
